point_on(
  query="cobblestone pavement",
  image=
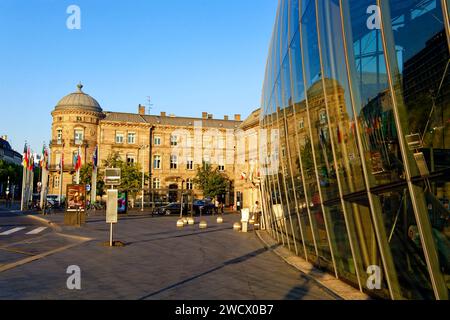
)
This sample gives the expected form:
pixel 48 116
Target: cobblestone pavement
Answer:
pixel 160 261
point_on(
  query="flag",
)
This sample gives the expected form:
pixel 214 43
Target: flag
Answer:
pixel 95 157
pixel 77 160
pixel 44 160
pixel 25 156
pixel 31 160
pixel 339 137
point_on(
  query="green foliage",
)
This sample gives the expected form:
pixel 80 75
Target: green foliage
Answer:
pixel 86 178
pixel 213 183
pixel 131 180
pixel 13 171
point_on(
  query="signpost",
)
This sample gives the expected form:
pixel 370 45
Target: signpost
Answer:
pixel 112 179
pixel 111 212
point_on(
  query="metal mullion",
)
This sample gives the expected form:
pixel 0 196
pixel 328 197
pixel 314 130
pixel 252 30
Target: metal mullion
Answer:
pixel 333 148
pixel 378 223
pixel 416 195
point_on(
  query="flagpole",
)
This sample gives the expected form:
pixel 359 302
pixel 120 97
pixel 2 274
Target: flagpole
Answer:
pixel 61 172
pixel 78 166
pixel 94 177
pixel 24 181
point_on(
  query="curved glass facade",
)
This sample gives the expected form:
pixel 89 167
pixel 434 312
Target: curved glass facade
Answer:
pixel 356 98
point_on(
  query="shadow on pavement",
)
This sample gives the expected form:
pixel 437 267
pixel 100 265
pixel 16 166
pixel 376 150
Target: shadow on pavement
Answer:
pixel 226 263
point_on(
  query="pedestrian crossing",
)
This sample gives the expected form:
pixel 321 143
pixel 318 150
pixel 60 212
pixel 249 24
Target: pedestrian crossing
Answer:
pixel 10 231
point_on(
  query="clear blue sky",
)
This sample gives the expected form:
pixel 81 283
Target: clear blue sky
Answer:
pixel 188 55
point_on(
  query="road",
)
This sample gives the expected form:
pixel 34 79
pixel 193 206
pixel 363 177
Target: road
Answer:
pixel 159 261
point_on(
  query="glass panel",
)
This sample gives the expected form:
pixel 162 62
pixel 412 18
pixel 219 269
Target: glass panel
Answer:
pixel 382 153
pixel 311 64
pixel 349 174
pixel 423 93
pixel 299 107
pixel 294 18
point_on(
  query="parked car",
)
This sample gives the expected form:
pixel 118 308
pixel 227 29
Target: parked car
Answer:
pixel 171 208
pixel 204 205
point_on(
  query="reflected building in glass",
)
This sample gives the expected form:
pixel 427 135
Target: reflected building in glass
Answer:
pixel 357 96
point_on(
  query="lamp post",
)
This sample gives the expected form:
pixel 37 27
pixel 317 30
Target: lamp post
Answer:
pixel 181 200
pixel 141 148
pixel 7 193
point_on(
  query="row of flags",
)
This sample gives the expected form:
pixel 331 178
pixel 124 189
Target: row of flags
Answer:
pixel 28 161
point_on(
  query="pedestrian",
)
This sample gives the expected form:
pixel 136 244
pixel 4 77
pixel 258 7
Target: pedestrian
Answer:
pixel 222 207
pixel 216 206
pixel 257 212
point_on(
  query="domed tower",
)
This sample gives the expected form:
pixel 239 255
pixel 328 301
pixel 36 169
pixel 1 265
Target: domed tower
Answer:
pixel 75 126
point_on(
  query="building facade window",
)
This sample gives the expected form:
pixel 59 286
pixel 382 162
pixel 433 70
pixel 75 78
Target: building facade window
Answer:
pixel 131 158
pixel 189 184
pixel 221 167
pixel 189 164
pixel 156 183
pixel 79 136
pixel 173 140
pixel 131 138
pixel 59 136
pixel 173 162
pixel 157 141
pixel 119 137
pixel 157 162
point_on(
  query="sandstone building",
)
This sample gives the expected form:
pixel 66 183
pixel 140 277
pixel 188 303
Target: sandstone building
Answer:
pixel 79 123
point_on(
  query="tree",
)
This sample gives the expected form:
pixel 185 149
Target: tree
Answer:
pixel 213 183
pixel 86 178
pixel 131 174
pixel 13 171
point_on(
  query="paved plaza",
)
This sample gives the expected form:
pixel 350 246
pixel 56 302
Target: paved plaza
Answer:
pixel 158 261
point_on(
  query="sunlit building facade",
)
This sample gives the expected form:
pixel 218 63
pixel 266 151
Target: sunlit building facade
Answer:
pixel 357 96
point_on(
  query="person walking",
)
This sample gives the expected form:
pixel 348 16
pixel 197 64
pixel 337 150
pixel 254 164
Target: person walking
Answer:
pixel 257 213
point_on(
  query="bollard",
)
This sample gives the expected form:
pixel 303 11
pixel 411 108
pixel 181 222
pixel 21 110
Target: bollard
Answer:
pixel 180 223
pixel 237 226
pixel 185 221
pixel 219 220
pixel 191 221
pixel 203 224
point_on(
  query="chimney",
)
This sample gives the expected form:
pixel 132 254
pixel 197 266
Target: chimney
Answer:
pixel 237 117
pixel 163 114
pixel 210 116
pixel 141 110
pixel 226 118
pixel 204 115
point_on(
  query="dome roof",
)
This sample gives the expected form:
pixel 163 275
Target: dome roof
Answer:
pixel 79 100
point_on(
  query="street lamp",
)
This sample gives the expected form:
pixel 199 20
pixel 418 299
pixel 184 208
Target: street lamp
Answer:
pixel 141 148
pixel 7 193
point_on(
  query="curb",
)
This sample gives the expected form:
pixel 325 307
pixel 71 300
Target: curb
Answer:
pixel 333 292
pixel 53 225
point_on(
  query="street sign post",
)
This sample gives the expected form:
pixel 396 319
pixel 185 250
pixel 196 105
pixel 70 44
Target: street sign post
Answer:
pixel 111 212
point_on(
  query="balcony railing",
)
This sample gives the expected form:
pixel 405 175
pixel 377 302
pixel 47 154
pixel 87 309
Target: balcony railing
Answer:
pixel 56 168
pixel 56 143
pixel 76 143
